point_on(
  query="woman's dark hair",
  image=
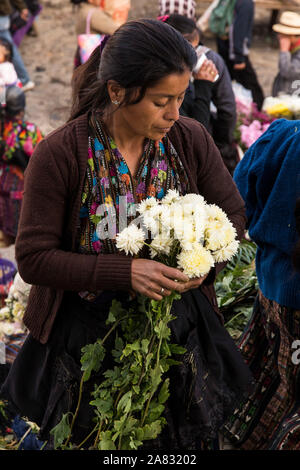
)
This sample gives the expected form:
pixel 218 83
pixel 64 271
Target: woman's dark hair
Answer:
pixel 296 252
pixel 136 56
pixel 186 26
pixel 8 49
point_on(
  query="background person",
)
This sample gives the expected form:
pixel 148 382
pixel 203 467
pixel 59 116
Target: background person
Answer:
pixel 18 138
pixel 8 74
pixel 5 12
pixel 181 7
pixel 288 32
pixel 234 48
pixel 206 90
pixel 268 180
pixel 90 12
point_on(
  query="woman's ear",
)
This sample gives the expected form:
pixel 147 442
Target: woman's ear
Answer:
pixel 115 91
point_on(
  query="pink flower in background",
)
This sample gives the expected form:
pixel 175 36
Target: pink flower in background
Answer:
pixel 249 134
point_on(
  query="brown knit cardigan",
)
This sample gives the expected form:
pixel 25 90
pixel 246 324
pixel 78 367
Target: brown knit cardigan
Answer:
pixel 49 221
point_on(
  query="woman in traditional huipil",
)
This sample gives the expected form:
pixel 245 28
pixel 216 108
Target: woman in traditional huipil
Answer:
pixel 124 138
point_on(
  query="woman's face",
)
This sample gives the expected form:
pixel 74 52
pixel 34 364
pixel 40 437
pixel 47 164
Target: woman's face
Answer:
pixel 156 113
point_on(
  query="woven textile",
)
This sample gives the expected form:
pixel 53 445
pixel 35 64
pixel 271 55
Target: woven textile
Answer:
pixel 270 418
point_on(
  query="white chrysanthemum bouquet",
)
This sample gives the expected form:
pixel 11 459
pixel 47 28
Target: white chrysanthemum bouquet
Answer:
pixel 185 232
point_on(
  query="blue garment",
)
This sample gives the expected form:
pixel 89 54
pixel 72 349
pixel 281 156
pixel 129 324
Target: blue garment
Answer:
pixel 268 178
pixel 30 442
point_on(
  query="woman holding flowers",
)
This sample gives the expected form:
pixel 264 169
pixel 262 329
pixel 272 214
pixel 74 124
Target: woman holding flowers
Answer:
pixel 124 144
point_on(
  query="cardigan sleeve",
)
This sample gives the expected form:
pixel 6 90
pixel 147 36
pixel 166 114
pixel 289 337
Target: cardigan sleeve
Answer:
pixel 46 207
pixel 217 186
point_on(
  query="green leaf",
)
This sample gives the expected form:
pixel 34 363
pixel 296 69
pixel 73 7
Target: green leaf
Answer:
pixel 91 359
pixel 104 406
pixel 106 442
pixel 155 411
pixel 145 345
pixel 111 318
pixel 125 402
pixel 155 377
pixel 164 392
pixel 130 348
pixel 151 431
pixel 176 349
pixel 62 430
pixel 162 330
pixel 135 443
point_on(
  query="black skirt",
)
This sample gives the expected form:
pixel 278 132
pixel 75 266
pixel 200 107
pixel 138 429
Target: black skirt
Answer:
pixel 43 382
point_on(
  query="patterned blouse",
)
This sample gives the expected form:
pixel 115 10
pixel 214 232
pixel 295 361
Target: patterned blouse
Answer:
pixel 19 135
pixel 109 182
pixel 108 178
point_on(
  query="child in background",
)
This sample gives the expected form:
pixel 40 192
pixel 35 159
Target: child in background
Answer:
pixel 8 75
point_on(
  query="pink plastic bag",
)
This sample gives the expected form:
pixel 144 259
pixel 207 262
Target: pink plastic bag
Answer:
pixel 88 42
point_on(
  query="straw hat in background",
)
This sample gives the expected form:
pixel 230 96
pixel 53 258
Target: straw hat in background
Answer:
pixel 289 24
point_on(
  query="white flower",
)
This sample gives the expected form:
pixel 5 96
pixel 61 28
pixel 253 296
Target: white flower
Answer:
pixel 218 234
pixel 171 197
pixel 157 220
pixel 195 263
pixel 130 240
pixel 4 313
pixel 147 204
pixel 227 252
pixel 160 245
pixel 215 212
pixel 18 310
pixel 195 200
pixel 151 224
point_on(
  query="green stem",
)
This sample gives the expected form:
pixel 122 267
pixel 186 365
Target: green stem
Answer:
pixel 82 381
pixel 87 437
pixel 233 318
pixel 23 437
pixel 98 434
pixel 76 411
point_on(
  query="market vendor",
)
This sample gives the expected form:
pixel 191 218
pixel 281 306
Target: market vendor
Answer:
pixel 124 126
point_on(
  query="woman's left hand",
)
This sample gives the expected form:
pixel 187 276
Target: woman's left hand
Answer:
pixel 193 283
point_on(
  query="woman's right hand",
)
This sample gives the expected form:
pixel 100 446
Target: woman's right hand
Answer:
pixel 208 71
pixel 156 280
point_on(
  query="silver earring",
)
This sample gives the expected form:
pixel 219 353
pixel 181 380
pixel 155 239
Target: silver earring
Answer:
pixel 115 102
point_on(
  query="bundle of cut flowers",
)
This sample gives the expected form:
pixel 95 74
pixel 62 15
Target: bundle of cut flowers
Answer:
pixel 11 315
pixel 282 106
pixel 187 233
pixel 251 124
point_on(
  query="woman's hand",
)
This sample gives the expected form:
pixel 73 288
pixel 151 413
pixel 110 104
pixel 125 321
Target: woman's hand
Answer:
pixel 156 280
pixel 284 43
pixel 208 71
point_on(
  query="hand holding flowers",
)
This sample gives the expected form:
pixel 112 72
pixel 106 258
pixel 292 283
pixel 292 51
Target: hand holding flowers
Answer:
pixel 188 236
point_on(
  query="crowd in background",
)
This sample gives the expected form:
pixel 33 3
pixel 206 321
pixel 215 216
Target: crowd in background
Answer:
pixel 267 177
